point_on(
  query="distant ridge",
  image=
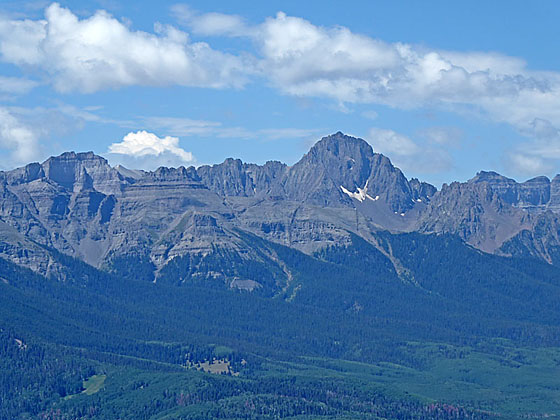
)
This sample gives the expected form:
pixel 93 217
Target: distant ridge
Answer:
pixel 79 205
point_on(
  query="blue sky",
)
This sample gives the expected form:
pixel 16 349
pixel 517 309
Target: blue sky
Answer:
pixel 442 88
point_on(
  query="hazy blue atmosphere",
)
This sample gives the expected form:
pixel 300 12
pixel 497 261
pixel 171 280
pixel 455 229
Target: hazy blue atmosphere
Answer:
pixel 444 91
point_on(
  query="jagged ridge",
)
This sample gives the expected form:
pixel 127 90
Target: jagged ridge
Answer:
pixel 78 204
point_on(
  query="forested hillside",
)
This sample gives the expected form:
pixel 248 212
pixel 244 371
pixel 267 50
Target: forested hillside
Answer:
pixel 292 353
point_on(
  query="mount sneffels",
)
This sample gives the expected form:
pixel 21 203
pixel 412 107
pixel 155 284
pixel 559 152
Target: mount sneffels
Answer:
pixel 77 204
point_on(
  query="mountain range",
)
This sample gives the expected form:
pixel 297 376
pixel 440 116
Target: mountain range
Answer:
pixel 333 288
pixel 79 205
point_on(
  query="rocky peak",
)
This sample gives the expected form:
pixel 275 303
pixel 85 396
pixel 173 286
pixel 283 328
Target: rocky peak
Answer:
pixel 388 182
pixel 347 159
pixel 335 170
pixel 173 175
pixel 131 175
pixel 341 163
pixel 535 191
pixel 71 170
pixel 25 174
pixel 476 211
pixel 80 205
pixel 505 188
pixel 233 178
pixel 229 178
pixel 491 177
pixel 334 163
pixel 421 191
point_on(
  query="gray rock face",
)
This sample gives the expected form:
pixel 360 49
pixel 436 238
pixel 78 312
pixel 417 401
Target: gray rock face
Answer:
pixel 534 194
pixel 83 170
pixel 339 168
pixel 554 203
pixel 234 178
pixel 81 206
pixel 421 191
pixel 540 240
pixel 478 212
pixel 20 250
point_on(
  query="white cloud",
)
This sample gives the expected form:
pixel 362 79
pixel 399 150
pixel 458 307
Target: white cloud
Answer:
pixel 392 143
pixel 296 56
pixel 211 24
pixel 19 139
pixel 303 59
pixel 101 52
pixel 408 155
pixel 142 144
pixel 308 60
pixel 20 41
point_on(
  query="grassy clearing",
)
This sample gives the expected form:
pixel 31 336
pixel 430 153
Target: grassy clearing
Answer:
pixel 91 386
pixel 94 384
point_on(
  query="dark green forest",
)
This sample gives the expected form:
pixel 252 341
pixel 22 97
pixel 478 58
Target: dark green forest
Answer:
pixel 452 334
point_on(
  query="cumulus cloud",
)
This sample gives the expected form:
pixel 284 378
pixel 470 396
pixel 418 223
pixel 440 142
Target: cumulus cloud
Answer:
pixel 101 52
pixel 407 154
pixel 308 60
pixel 146 150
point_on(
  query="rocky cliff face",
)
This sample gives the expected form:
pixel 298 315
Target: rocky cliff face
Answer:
pixel 79 205
pixel 234 178
pixel 476 211
pixel 491 210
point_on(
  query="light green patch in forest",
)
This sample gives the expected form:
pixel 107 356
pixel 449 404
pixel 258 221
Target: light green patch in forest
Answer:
pixel 94 384
pixel 91 386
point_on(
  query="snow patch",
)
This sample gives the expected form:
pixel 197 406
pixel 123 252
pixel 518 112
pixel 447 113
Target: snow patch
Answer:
pixel 360 195
pixel 20 344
